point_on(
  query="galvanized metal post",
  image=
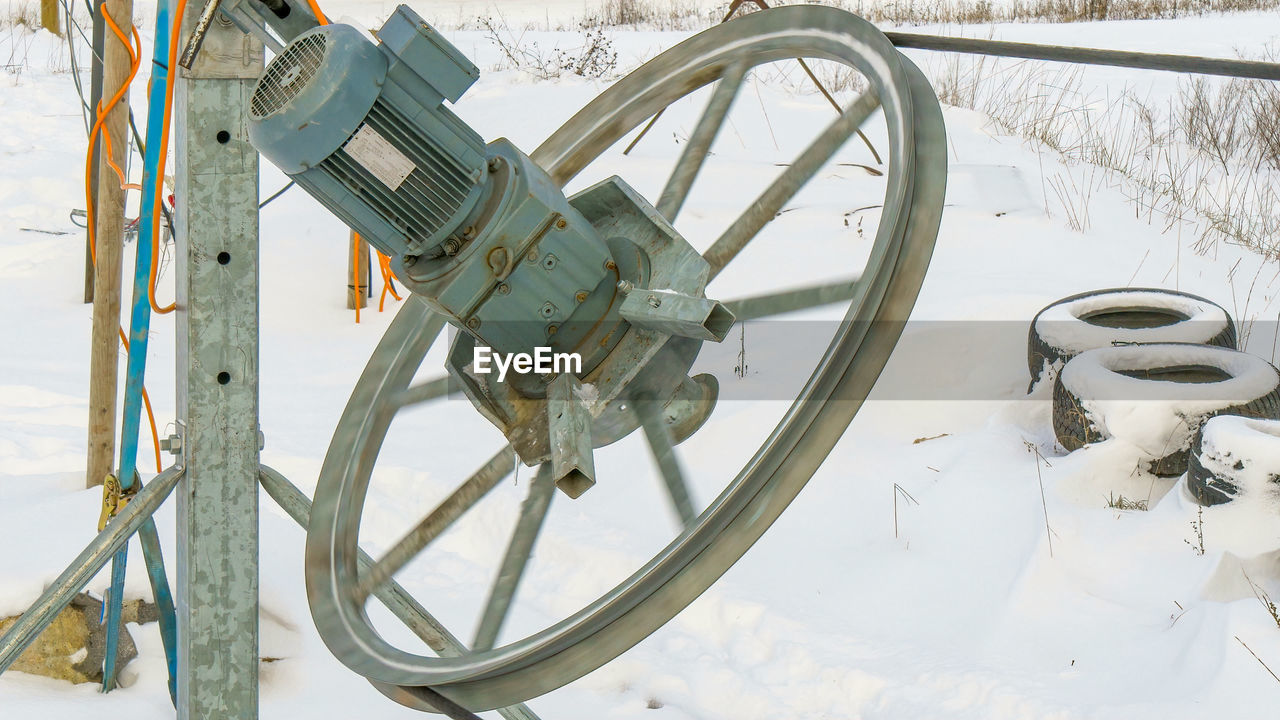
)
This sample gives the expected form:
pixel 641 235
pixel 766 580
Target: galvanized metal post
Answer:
pixel 217 219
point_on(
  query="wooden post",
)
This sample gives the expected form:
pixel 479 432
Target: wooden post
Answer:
pixel 358 279
pixel 109 234
pixel 49 16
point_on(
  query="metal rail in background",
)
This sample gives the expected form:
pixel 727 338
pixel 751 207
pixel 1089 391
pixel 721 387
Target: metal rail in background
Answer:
pixel 1090 56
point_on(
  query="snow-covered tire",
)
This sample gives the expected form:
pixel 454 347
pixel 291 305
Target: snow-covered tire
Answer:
pixel 1235 457
pixel 1158 396
pixel 1102 318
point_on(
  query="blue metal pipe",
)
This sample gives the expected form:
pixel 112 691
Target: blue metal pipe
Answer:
pixel 160 592
pixel 112 608
pixel 140 326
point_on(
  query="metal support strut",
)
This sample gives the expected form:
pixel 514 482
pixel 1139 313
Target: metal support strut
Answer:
pixel 91 560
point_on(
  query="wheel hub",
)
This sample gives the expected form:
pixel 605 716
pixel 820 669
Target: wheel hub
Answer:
pixel 485 235
pixel 626 360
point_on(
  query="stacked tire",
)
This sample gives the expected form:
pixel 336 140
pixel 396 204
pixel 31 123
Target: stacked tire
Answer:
pixel 1122 316
pixel 1157 397
pixel 1234 475
pixel 1146 366
pixel 1236 459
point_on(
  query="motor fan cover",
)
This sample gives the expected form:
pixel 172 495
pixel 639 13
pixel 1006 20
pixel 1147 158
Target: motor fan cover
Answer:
pixel 362 126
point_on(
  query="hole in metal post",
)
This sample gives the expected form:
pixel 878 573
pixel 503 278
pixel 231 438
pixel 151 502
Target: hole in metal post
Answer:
pixel 224 377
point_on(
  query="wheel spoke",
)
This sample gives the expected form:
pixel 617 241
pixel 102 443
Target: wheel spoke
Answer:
pixel 759 306
pixel 422 392
pixel 532 514
pixel 396 598
pixel 704 134
pixel 434 524
pixel 766 207
pixel 664 454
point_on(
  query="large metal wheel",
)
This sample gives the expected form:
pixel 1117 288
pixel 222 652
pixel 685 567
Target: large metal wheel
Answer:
pixel 495 675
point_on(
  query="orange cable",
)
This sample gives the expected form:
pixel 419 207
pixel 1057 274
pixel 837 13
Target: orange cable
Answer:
pixel 355 273
pixel 102 112
pixel 155 436
pixel 384 263
pixel 315 10
pixel 382 299
pixel 108 152
pixel 387 275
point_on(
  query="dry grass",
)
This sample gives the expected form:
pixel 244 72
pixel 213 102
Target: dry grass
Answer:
pixel 19 19
pixel 1075 195
pixel 23 14
pixel 593 57
pixel 684 15
pixel 1207 164
pixel 20 22
pixel 1263 102
pixel 1265 600
pixel 1211 120
pixel 970 12
pixel 669 15
pixel 1124 503
pixel 659 14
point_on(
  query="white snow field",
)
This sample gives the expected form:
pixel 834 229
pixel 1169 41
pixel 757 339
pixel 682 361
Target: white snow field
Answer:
pixel 913 578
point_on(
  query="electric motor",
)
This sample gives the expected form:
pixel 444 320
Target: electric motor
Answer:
pixel 362 126
pixel 479 230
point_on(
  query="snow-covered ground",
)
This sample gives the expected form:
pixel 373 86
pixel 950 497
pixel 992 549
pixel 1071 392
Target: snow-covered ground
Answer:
pixel 958 604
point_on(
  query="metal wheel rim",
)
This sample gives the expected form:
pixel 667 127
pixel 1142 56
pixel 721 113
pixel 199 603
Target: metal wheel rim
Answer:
pixel 778 470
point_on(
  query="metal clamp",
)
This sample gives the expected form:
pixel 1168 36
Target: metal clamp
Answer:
pixel 114 499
